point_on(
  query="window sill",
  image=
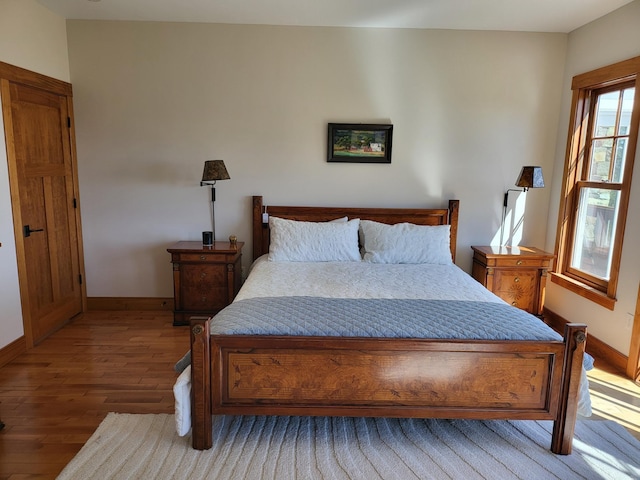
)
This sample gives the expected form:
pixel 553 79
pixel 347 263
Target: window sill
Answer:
pixel 583 290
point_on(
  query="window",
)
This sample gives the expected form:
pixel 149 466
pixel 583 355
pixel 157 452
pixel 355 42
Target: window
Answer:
pixel 597 179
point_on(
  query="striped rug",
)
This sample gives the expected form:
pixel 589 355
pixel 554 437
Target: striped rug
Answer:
pixel 306 448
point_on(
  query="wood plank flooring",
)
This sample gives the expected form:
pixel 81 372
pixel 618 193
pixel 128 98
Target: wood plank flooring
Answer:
pixel 615 397
pixel 54 397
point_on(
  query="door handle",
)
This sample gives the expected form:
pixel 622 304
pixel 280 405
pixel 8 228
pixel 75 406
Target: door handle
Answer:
pixel 27 230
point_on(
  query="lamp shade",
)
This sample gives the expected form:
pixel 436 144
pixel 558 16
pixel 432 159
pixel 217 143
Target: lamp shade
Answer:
pixel 214 170
pixel 530 177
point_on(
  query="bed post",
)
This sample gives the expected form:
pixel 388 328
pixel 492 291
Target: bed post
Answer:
pixel 575 336
pixel 258 229
pixel 200 384
pixel 454 209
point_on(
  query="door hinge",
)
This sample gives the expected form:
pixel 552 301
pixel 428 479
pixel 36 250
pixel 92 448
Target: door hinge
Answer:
pixel 80 279
pixel 68 122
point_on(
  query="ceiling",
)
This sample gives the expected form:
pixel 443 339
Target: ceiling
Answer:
pixel 511 15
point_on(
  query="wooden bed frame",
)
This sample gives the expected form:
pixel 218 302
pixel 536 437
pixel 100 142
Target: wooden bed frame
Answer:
pixel 421 378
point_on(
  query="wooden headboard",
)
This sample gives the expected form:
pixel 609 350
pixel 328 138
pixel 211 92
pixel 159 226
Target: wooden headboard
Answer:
pixel 391 216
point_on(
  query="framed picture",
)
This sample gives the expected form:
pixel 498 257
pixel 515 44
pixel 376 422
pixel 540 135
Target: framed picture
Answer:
pixel 359 143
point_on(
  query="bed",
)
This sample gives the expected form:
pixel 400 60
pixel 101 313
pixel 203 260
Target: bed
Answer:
pixel 340 371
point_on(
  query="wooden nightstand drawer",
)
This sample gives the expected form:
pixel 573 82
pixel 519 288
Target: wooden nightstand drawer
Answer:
pixel 197 257
pixel 516 274
pixel 517 287
pixel 516 262
pixel 204 287
pixel 205 279
pixel 203 257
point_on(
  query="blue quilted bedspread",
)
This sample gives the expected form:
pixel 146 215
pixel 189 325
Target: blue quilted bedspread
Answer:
pixel 384 318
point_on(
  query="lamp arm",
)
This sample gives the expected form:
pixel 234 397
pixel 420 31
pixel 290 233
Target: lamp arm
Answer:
pixel 506 195
pixel 213 211
pixel 504 212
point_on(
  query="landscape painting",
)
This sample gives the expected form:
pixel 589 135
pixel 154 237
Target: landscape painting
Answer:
pixel 359 143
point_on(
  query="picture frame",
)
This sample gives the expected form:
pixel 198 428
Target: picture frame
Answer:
pixel 359 143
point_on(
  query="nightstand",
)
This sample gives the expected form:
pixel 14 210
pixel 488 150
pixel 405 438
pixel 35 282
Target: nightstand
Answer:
pixel 518 275
pixel 205 279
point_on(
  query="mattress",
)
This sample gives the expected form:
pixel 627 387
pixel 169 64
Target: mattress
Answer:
pixel 361 280
pixel 361 299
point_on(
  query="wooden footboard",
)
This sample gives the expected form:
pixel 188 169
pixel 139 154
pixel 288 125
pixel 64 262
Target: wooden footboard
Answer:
pixel 266 375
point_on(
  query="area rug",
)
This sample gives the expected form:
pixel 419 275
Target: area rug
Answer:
pixel 306 448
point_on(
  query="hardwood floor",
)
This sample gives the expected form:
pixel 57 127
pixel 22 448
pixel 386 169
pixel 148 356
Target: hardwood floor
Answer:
pixel 615 397
pixel 54 397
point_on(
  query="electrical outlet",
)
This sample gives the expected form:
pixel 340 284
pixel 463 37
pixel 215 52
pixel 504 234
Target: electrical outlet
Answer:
pixel 629 320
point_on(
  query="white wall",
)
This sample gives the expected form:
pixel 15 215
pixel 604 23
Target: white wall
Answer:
pixel 10 312
pixel 608 40
pixel 31 37
pixel 153 101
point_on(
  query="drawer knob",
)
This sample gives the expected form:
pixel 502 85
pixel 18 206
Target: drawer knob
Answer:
pixel 202 257
pixel 515 304
pixel 519 262
pixel 516 280
pixel 204 299
pixel 202 275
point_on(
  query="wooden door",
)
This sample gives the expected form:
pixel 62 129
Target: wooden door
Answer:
pixel 44 201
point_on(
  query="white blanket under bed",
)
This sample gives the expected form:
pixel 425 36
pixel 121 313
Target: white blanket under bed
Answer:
pixel 355 280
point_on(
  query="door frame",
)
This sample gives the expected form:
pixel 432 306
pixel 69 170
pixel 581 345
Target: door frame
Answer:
pixel 11 73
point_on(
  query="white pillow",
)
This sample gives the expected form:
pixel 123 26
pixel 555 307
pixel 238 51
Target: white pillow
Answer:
pixel 406 243
pixel 295 241
pixel 182 396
